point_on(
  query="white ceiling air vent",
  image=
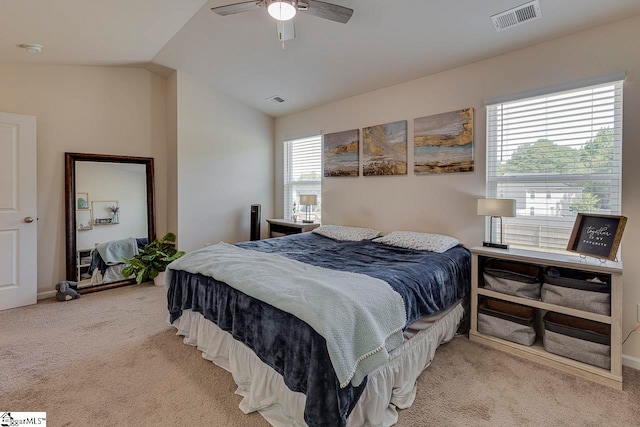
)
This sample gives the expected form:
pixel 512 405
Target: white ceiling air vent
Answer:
pixel 275 100
pixel 518 15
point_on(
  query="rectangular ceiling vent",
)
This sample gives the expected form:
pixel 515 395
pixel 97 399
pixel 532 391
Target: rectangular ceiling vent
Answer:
pixel 518 15
pixel 275 100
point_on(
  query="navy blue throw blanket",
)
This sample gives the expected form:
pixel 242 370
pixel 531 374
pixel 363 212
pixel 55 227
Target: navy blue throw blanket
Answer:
pixel 428 282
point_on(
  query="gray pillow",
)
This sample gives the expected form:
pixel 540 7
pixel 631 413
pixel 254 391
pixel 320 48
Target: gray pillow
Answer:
pixel 419 241
pixel 347 234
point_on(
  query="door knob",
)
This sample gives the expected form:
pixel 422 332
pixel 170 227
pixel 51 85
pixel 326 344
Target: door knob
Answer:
pixel 28 220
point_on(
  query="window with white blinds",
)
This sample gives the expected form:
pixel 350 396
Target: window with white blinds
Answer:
pixel 302 175
pixel 556 155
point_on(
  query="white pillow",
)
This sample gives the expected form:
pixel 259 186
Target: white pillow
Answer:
pixel 419 241
pixel 344 233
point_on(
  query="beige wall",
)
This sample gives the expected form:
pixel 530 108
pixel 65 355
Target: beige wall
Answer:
pixel 446 203
pixel 88 110
pixel 224 151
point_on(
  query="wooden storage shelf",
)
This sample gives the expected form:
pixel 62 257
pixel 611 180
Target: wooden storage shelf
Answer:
pixel 537 353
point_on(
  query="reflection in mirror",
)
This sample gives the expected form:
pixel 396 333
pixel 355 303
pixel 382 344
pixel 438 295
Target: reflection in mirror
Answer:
pixel 111 219
pixel 109 216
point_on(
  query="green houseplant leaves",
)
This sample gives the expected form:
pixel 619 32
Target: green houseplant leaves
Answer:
pixel 152 259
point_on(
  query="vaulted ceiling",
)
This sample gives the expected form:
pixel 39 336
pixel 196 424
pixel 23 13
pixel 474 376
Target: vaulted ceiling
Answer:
pixel 386 42
pixel 88 32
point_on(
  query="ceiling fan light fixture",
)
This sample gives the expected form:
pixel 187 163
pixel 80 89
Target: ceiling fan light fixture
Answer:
pixel 282 10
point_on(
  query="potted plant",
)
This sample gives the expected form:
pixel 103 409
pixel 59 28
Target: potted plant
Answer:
pixel 152 260
pixel 114 213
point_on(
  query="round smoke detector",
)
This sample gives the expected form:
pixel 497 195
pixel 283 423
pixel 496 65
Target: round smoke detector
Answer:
pixel 32 48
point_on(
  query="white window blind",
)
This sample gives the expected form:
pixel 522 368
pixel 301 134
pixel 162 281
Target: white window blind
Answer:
pixel 556 155
pixel 302 175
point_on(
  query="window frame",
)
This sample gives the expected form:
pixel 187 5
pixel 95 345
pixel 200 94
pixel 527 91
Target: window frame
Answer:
pixel 496 141
pixel 290 184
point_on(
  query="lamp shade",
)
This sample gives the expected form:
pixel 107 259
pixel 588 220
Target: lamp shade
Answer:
pixel 282 10
pixel 308 199
pixel 497 207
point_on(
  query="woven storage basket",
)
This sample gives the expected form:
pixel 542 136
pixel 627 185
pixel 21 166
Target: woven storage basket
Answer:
pixel 579 339
pixel 511 322
pixel 513 278
pixel 578 293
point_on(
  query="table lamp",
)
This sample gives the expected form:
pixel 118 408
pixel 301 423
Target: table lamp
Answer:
pixel 496 208
pixel 308 200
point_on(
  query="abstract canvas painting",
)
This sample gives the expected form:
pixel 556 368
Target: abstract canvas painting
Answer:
pixel 385 149
pixel 443 143
pixel 341 153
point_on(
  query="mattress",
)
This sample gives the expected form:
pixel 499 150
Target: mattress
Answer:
pixel 389 388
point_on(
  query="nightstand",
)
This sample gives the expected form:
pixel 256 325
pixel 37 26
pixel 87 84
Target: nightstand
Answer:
pixel 282 227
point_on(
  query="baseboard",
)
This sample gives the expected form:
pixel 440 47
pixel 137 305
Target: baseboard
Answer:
pixel 631 362
pixel 46 294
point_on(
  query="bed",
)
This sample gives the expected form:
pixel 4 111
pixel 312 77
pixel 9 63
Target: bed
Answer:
pixel 284 368
pixel 109 270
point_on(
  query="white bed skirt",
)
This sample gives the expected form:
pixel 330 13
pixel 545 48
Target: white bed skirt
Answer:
pixel 391 386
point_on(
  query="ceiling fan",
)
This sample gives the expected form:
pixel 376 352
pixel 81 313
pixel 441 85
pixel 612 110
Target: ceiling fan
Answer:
pixel 283 12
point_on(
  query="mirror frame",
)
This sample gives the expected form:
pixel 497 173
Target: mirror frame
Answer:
pixel 70 160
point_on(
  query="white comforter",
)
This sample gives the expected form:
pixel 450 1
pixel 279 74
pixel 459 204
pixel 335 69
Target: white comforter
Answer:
pixel 360 317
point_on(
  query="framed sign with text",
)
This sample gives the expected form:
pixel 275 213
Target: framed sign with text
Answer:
pixel 597 235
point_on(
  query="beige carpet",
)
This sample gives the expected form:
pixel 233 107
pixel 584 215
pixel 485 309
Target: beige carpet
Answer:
pixel 110 359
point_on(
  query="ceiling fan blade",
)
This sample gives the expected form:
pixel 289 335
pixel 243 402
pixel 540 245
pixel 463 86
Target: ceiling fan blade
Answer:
pixel 286 30
pixel 330 11
pixel 231 9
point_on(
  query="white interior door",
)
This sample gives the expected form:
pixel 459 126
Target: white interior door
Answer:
pixel 18 226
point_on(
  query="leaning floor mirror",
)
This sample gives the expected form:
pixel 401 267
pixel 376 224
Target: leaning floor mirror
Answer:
pixel 109 207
